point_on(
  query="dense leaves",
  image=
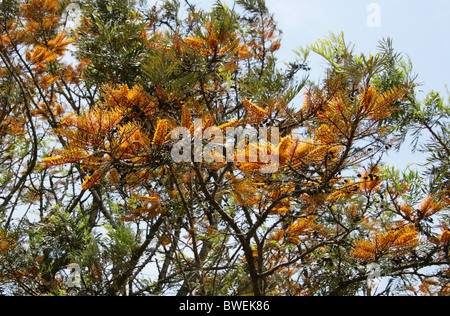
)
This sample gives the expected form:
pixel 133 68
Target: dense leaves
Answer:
pixel 123 152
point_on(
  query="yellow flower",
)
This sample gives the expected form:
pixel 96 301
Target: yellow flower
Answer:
pixel 254 109
pixel 445 237
pixel 160 133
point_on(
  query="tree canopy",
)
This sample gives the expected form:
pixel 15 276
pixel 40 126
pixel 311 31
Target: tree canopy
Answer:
pixel 165 150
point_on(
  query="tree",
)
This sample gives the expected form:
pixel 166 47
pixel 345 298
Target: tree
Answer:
pixel 171 142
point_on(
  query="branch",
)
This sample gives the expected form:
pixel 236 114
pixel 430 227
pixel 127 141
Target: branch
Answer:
pixel 33 161
pixel 245 242
pixel 137 254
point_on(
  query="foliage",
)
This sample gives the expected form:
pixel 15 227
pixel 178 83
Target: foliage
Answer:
pixel 87 127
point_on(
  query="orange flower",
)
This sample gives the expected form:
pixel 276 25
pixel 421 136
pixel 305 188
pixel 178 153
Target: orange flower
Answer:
pixel 254 109
pixel 160 133
pixel 445 237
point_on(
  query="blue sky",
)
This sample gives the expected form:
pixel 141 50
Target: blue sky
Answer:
pixel 419 29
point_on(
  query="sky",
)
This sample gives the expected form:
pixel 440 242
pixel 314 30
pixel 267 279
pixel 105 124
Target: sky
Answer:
pixel 419 29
